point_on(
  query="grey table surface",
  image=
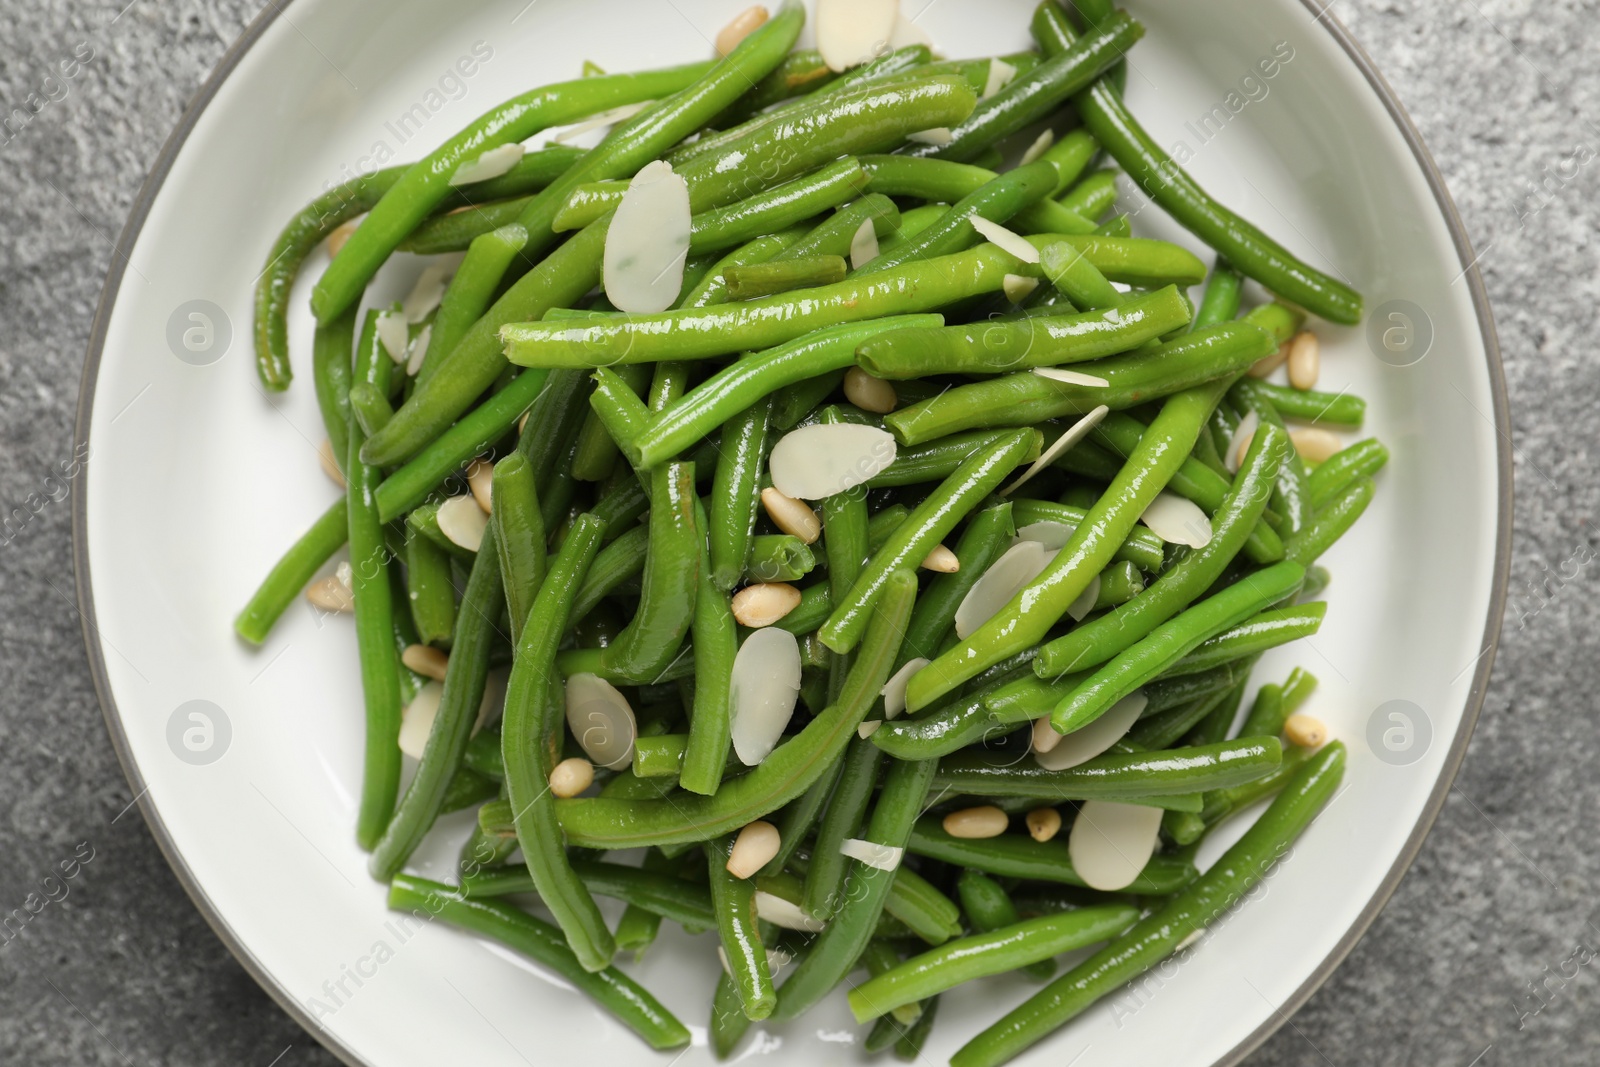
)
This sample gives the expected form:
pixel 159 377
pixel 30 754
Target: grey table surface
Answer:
pixel 1481 958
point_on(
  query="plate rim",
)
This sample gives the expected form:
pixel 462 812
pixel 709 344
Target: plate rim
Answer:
pixel 150 188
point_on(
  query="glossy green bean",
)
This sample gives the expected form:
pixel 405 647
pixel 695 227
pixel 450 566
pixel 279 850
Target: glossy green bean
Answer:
pixel 756 280
pixel 330 368
pixel 735 489
pixel 617 563
pixel 841 819
pixel 781 206
pixel 729 1023
pixel 1267 629
pixel 684 902
pixel 470 292
pixel 541 942
pixel 937 460
pixel 988 907
pixel 981 955
pixel 748 380
pixel 1127 776
pixel 293 571
pixel 1016 856
pixel 1135 378
pixel 456 230
pixel 652 639
pixel 520 536
pixel 927 527
pixel 1092 196
pixel 429 590
pixel 1077 279
pixel 786 773
pixel 1330 523
pixel 715 646
pixel 1291 497
pixel 1098 640
pixel 1339 471
pixel 984 540
pixel 1157 936
pixel 734 900
pixel 1308 405
pixel 997 200
pixel 1141 548
pixel 532 722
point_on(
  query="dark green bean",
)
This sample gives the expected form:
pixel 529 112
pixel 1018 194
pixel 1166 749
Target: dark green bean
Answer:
pixel 988 907
pixel 293 571
pixel 429 589
pixel 1016 856
pixel 734 900
pixel 650 642
pixel 1142 548
pixel 735 490
pixel 1255 635
pixel 716 644
pixel 520 536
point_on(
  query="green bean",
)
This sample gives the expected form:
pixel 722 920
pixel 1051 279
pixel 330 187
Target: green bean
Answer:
pixel 945 181
pixel 812 611
pixel 1223 292
pixel 988 907
pixel 1119 583
pixel 786 773
pixel 1135 378
pixel 729 1023
pixel 842 818
pixel 374 608
pixel 615 564
pixel 1035 95
pixel 482 754
pixel 1291 497
pixel 878 957
pixel 424 519
pixel 429 590
pixel 1128 776
pixel 735 490
pixel 1153 654
pixel 649 643
pixel 775 320
pixel 543 943
pixel 928 525
pixel 1142 548
pixel 1330 523
pixel 1250 250
pixel 467 789
pixel 755 280
pixel 1218 722
pixel 734 899
pixel 331 368
pixel 1030 615
pixel 985 539
pixel 1093 196
pixel 801 72
pixel 455 231
pixel 834 235
pixel 713 290
pixel 1308 405
pixel 1034 341
pixel 533 718
pixel 1155 732
pixel 1016 856
pixel 470 292
pixel 997 200
pixel 1253 636
pixel 715 646
pixel 781 206
pixel 749 379
pixel 835 951
pixel 433 465
pixel 659 755
pixel 1098 640
pixel 937 460
pixel 1077 279
pixel 293 571
pixel 464 683
pixel 1157 936
pixel 1267 713
pixel 684 902
pixel 520 536
pixel 1220 804
pixel 989 953
pixel 909 1048
pixel 1339 471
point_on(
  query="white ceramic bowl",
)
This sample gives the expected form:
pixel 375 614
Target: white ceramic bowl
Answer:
pixel 196 481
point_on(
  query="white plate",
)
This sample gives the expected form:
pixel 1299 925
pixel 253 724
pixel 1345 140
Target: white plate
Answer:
pixel 197 481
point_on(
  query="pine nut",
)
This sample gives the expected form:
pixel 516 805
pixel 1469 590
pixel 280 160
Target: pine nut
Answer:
pixel 941 560
pixel 1315 444
pixel 764 603
pixel 337 239
pixel 480 476
pixel 1305 731
pixel 330 466
pixel 869 393
pixel 1045 736
pixel 1265 366
pixel 425 660
pixel 330 594
pixel 791 516
pixel 986 820
pixel 1043 823
pixel 1305 360
pixel 743 25
pixel 756 844
pixel 463 522
pixel 571 777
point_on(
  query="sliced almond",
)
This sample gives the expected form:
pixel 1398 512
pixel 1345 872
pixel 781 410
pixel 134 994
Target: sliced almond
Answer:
pixel 1315 444
pixel 394 334
pixel 418 350
pixel 864 245
pixel 1239 443
pixel 793 517
pixel 341 235
pixel 491 164
pixel 741 26
pixel 1110 842
pixel 938 136
pixel 595 122
pixel 1087 742
pixel 601 720
pixel 1084 604
pixel 480 479
pixel 850 32
pixel 785 914
pixel 764 603
pixel 425 660
pixel 869 393
pixel 1039 147
pixel 894 690
pixel 648 242
pixel 868 728
pixel 1072 377
pixel 463 522
pixel 1005 578
pixel 330 594
pixel 1075 433
pixel 1010 241
pixel 1000 75
pixel 762 691
pixel 873 854
pixel 416 721
pixel 330 466
pixel 425 294
pixel 1177 520
pixel 820 460
pixel 753 849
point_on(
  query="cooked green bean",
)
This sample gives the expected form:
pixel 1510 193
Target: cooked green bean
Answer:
pixel 754 280
pixel 1093 196
pixel 1016 856
pixel 734 900
pixel 293 571
pixel 1142 548
pixel 470 292
pixel 1116 776
pixel 650 642
pixel 735 489
pixel 715 645
pixel 988 907
pixel 1254 635
pixel 429 590
pixel 520 536
pixel 617 563
pixel 1330 523
pixel 1308 405
pixel 1339 471
pixel 841 819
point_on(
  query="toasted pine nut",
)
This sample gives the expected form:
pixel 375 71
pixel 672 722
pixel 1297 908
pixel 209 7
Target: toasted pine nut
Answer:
pixel 764 603
pixel 339 236
pixel 743 25
pixel 986 820
pixel 869 393
pixel 941 560
pixel 791 516
pixel 571 776
pixel 1305 360
pixel 756 844
pixel 1265 366
pixel 330 594
pixel 463 522
pixel 1043 823
pixel 1315 444
pixel 425 660
pixel 480 476
pixel 1045 736
pixel 330 466
pixel 1305 731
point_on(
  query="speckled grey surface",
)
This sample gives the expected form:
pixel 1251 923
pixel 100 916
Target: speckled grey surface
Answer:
pixel 123 970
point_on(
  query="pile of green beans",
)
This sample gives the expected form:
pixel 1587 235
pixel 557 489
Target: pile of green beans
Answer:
pixel 594 499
